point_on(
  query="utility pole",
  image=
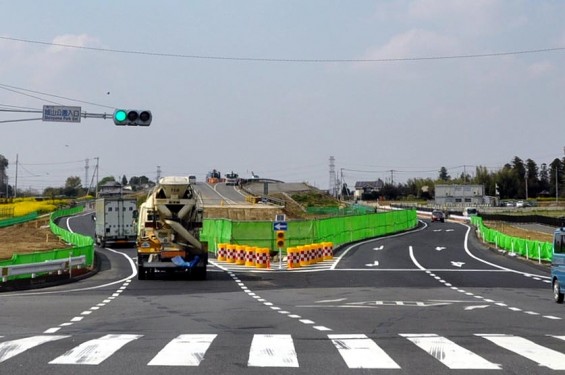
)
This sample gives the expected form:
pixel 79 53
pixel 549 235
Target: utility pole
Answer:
pixel 16 182
pixel 158 174
pixel 85 171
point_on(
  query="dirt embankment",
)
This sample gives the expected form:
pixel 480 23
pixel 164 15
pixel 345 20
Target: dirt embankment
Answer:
pixel 29 237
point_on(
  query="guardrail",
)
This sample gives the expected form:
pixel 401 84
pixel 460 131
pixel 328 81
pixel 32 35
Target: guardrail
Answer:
pixel 59 265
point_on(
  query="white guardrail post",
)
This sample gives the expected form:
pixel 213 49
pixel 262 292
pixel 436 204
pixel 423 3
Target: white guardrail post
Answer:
pixel 47 266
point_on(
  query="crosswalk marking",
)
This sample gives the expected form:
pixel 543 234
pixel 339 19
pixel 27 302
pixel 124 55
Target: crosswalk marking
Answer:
pixel 269 350
pixel 272 351
pixel 449 353
pixel 93 352
pixel 185 350
pixel 359 351
pixel 12 348
pixel 526 348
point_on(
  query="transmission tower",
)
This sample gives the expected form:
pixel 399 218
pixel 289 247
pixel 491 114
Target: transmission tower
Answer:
pixel 332 187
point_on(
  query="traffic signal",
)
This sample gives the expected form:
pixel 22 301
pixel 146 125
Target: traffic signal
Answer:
pixel 133 117
pixel 279 238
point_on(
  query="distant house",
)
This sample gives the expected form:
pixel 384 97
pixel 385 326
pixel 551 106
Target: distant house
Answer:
pixel 368 188
pixel 110 189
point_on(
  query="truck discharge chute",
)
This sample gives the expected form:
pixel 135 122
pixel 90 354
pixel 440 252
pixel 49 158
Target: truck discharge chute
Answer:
pixel 168 230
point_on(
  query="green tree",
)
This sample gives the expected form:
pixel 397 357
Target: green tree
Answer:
pixel 532 178
pixel 519 171
pixel 443 175
pixel 72 186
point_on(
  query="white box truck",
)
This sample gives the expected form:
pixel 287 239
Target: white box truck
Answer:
pixel 116 221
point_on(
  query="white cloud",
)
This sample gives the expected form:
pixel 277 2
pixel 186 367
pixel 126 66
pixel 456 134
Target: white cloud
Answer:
pixel 411 44
pixel 82 40
pixel 540 68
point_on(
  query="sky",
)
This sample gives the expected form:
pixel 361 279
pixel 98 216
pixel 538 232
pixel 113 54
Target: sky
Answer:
pixel 390 89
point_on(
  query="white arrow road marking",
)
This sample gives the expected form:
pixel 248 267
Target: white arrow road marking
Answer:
pixel 376 264
pixel 440 248
pixel 476 307
pixel 457 264
pixel 379 248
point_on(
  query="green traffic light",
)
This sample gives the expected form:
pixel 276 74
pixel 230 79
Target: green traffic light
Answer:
pixel 120 115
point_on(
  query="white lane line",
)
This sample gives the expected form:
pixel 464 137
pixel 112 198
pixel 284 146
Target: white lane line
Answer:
pixel 359 351
pixel 449 353
pixel 322 328
pixel 52 330
pixel 526 348
pixel 93 352
pixel 272 351
pixel 9 349
pixel 192 347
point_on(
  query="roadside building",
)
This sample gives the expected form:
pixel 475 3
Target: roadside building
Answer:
pixel 460 195
pixel 368 189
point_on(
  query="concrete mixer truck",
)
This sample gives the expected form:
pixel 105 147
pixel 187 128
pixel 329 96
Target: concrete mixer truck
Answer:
pixel 168 231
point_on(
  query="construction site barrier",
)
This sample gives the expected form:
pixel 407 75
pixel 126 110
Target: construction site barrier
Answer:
pixel 230 253
pixel 338 230
pixel 303 250
pixel 250 256
pixel 293 257
pixel 82 246
pixel 328 250
pixel 240 255
pixel 262 258
pixel 222 252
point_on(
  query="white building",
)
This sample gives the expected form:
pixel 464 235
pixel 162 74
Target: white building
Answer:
pixel 460 195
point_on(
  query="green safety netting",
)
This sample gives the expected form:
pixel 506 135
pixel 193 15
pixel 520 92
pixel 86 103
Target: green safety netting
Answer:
pixel 530 249
pixel 338 230
pixel 18 220
pixel 354 209
pixel 83 245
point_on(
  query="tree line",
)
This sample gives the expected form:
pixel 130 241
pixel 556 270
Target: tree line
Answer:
pixel 517 179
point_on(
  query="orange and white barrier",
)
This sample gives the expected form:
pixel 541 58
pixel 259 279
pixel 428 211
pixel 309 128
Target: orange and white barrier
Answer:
pixel 222 252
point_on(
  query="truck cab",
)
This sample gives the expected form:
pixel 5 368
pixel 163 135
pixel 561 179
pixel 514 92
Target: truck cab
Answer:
pixel 558 265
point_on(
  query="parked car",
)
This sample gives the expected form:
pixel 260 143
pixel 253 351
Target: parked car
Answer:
pixel 438 215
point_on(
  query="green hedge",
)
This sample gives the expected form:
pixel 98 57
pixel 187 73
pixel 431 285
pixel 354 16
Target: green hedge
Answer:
pixel 530 249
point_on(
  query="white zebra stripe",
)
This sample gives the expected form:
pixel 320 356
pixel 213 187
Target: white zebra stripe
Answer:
pixel 12 348
pixel 272 351
pixel 93 352
pixel 359 351
pixel 449 353
pixel 185 350
pixel 544 356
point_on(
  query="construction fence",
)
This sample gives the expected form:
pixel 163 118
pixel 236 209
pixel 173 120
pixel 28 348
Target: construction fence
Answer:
pixel 82 246
pixel 527 248
pixel 338 230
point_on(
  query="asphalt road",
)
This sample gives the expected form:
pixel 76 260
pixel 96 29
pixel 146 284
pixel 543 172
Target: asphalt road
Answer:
pixel 219 194
pixel 431 301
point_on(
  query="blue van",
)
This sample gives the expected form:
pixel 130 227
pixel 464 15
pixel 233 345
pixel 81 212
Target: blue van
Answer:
pixel 558 265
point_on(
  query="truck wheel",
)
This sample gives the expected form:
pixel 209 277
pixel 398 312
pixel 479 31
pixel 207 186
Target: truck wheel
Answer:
pixel 557 296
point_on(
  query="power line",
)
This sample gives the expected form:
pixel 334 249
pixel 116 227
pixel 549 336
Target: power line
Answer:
pixel 286 60
pixel 15 88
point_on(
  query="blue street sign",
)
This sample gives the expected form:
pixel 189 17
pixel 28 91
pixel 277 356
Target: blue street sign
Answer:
pixel 280 225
